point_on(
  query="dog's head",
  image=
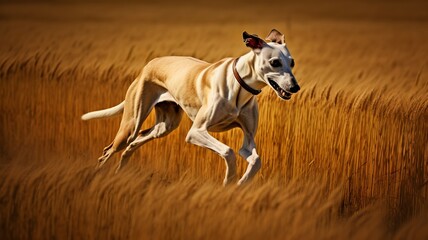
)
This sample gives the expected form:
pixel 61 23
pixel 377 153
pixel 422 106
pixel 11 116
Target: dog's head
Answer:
pixel 273 63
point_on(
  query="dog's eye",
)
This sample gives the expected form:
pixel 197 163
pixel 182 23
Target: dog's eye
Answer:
pixel 292 63
pixel 275 63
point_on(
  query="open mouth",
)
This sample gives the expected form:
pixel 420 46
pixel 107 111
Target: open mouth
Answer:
pixel 281 92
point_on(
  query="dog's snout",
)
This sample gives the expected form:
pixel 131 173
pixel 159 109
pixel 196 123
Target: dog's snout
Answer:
pixel 295 88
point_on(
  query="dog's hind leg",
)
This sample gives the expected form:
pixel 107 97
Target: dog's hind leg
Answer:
pixel 168 117
pixel 146 95
pixel 138 96
pixel 118 143
pixel 107 148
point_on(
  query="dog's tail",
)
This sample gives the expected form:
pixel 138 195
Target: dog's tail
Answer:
pixel 109 112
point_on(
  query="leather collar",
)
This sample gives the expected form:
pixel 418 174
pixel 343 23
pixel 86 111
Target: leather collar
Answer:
pixel 241 81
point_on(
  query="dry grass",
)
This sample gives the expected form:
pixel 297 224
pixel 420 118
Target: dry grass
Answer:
pixel 345 158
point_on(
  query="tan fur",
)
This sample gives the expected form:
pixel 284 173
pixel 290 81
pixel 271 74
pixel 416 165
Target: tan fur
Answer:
pixel 210 96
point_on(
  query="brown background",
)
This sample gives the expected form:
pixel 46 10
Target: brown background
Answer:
pixel 345 158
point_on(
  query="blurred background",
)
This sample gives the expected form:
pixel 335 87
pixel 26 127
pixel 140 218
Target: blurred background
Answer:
pixel 352 142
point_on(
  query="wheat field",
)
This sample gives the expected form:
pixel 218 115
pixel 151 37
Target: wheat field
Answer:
pixel 345 158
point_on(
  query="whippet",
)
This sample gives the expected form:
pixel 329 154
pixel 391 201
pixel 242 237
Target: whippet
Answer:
pixel 216 97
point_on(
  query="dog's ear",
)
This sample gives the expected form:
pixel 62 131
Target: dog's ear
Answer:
pixel 253 41
pixel 276 36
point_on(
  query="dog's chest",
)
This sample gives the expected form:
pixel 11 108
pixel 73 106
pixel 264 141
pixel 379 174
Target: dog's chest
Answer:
pixel 225 122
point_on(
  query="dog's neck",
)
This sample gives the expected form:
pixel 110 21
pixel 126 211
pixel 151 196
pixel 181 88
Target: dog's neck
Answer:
pixel 246 70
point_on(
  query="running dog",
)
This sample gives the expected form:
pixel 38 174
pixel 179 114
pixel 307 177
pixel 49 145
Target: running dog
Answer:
pixel 216 97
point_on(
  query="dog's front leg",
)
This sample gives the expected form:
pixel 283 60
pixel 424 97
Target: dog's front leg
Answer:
pixel 198 135
pixel 249 152
pixel 248 120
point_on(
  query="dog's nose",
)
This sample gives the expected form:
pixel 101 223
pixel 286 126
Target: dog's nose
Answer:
pixel 295 88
